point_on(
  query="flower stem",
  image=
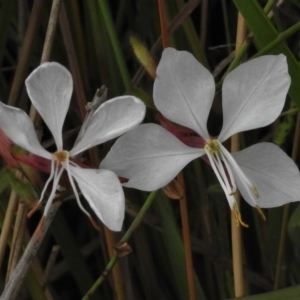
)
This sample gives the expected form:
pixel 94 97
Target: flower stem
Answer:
pixel 236 230
pixel 136 222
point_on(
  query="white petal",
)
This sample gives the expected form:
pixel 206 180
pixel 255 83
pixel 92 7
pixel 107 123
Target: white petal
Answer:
pixel 104 193
pixel 254 94
pixel 110 120
pixel 149 156
pixel 19 129
pixel 50 88
pixel 184 90
pixel 274 174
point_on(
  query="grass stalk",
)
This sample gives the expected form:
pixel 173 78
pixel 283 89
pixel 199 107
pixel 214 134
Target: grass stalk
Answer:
pixel 236 230
pixel 187 239
pixel 14 284
pixel 7 223
pixel 27 49
pixel 163 23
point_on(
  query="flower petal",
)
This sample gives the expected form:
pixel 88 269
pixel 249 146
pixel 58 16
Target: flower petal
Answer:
pixel 104 193
pixel 50 88
pixel 184 90
pixel 274 174
pixel 149 156
pixel 17 126
pixel 254 94
pixel 110 120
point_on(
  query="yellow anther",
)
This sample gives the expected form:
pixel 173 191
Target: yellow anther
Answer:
pixel 255 192
pixel 232 193
pixel 261 213
pixel 61 156
pixel 238 217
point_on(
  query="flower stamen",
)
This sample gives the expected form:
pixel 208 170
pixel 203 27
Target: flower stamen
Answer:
pixel 222 169
pixel 237 216
pixel 261 213
pixel 255 192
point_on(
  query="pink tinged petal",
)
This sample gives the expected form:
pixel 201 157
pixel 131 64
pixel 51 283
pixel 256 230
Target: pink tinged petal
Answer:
pixel 186 135
pixel 149 156
pixel 17 126
pixel 274 174
pixel 254 94
pixel 110 120
pixel 50 88
pixel 184 90
pixel 104 193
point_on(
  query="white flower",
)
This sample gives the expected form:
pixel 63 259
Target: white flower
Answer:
pixel 253 96
pixel 50 88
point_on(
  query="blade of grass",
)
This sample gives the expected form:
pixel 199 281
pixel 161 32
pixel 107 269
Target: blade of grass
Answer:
pixel 186 239
pixel 175 250
pixel 36 290
pixel 29 39
pixel 107 18
pixel 70 250
pixel 265 33
pixel 194 42
pixel 286 210
pixel 184 13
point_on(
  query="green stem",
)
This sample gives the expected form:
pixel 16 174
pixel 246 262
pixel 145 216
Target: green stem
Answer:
pixel 136 222
pixel 106 15
pixel 281 37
